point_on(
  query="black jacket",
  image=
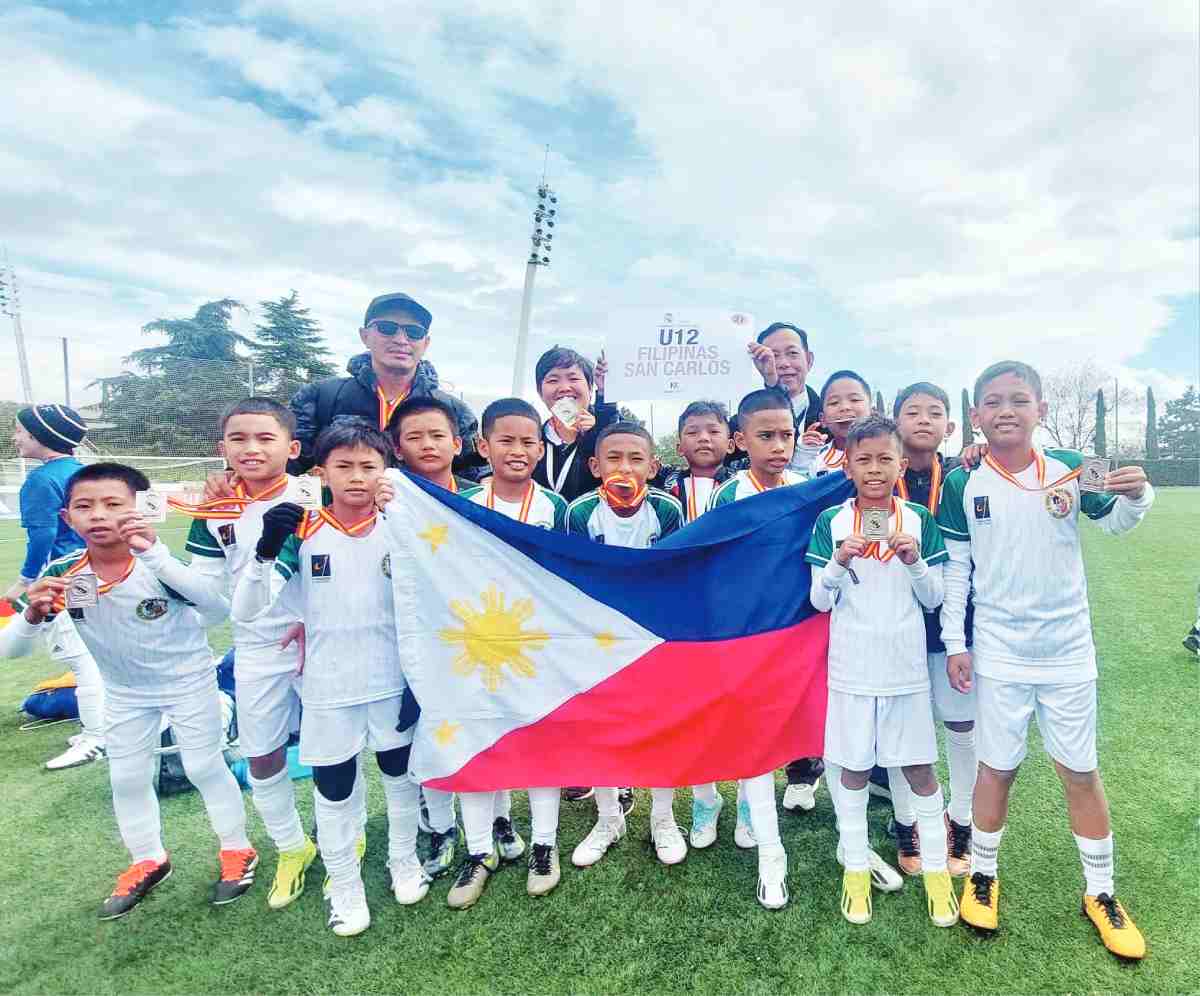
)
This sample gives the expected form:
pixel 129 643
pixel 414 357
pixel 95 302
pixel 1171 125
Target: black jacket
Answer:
pixel 737 460
pixel 579 479
pixel 318 405
pixel 675 484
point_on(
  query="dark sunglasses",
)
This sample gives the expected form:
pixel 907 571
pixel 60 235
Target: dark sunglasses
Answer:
pixel 414 332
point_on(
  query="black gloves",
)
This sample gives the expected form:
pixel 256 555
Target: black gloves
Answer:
pixel 279 523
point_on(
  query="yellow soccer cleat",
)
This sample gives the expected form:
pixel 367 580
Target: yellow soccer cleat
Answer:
pixel 1117 930
pixel 980 905
pixel 939 894
pixel 856 896
pixel 290 874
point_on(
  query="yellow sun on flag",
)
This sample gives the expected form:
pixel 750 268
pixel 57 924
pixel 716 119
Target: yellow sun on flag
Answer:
pixel 493 638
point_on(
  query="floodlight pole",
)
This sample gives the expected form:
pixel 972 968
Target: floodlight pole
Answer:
pixel 10 304
pixel 541 240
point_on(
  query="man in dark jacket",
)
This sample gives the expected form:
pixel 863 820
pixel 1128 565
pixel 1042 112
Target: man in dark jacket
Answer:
pixel 396 333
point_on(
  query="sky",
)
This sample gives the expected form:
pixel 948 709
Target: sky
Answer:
pixel 924 188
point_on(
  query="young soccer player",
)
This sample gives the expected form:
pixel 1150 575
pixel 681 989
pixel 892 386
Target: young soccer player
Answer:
pixel 922 413
pixel 257 441
pixel 426 438
pixel 334 572
pixel 626 511
pixel 511 442
pixel 880 561
pixel 704 443
pixel 49 434
pixel 565 380
pixel 1012 528
pixel 845 397
pixel 144 619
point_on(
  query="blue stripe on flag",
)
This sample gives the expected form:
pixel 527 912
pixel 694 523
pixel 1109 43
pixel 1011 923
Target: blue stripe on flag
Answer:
pixel 736 571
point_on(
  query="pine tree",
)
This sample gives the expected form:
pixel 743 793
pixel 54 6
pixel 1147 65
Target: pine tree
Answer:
pixel 1101 439
pixel 1151 425
pixel 290 351
pixel 968 433
pixel 1179 427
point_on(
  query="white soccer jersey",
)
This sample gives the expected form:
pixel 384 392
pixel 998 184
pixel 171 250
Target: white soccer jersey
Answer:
pixel 149 643
pixel 877 633
pixel 1021 534
pixel 341 586
pixel 231 542
pixel 827 460
pixel 744 484
pixel 658 516
pixel 543 507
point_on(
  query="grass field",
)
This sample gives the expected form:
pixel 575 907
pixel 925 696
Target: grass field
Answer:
pixel 629 924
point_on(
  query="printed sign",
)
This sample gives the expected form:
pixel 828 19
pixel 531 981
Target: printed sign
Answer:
pixel 681 354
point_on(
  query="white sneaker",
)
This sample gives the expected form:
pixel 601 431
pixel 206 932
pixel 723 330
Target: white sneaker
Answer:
pixel 772 879
pixel 74 738
pixel 743 833
pixel 410 884
pixel 82 751
pixel 800 796
pixel 348 911
pixel 596 844
pixel 668 841
pixel 884 877
pixel 704 822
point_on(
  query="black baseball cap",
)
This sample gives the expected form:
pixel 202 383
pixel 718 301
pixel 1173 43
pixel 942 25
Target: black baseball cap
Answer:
pixel 387 302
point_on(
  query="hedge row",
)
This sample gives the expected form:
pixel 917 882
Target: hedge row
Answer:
pixel 1169 473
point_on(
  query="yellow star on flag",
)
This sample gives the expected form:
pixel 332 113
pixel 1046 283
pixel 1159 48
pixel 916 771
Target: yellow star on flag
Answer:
pixel 446 733
pixel 435 536
pixel 605 641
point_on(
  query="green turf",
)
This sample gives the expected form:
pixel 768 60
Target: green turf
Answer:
pixel 629 924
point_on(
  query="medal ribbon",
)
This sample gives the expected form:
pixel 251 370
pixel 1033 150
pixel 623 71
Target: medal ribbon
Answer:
pixel 1040 462
pixel 759 486
pixel 312 524
pixel 388 408
pixel 229 508
pixel 526 502
pixel 619 501
pixel 837 460
pixel 102 587
pixel 935 486
pixel 873 549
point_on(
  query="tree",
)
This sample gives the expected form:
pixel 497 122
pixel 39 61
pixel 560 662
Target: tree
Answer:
pixel 205 336
pixel 879 403
pixel 626 415
pixel 1179 427
pixel 968 433
pixel 665 450
pixel 1101 441
pixel 290 351
pixel 1151 425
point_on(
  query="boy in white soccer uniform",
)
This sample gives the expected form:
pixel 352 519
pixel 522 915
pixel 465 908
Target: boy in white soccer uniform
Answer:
pixel 767 432
pixel 626 511
pixel 845 397
pixel 257 440
pixel 922 413
pixel 334 572
pixel 1013 535
pixel 511 441
pixel 143 617
pixel 880 561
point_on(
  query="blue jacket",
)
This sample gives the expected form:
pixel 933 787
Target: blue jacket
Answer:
pixel 42 498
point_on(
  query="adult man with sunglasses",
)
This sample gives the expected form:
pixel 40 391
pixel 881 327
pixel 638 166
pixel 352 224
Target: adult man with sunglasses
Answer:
pixel 396 333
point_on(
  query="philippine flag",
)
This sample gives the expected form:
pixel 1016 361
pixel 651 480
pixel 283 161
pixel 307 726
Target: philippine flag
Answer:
pixel 540 658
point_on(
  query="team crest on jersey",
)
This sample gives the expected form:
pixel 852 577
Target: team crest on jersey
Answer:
pixel 227 534
pixel 983 509
pixel 321 567
pixel 1059 502
pixel 385 565
pixel 150 609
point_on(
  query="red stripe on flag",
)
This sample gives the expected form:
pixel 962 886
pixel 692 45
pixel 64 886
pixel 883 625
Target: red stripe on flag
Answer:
pixel 682 714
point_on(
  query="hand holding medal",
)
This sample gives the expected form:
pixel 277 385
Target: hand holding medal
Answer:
pixel 906 548
pixel 1128 481
pixel 849 548
pixel 136 532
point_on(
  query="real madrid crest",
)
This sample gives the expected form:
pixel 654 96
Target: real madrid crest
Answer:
pixel 151 608
pixel 1059 502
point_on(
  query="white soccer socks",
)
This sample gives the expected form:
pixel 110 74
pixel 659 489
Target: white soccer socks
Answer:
pixel 275 800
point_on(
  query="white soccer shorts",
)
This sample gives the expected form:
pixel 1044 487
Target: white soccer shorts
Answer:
pixel 892 731
pixel 268 711
pixel 1066 717
pixel 134 726
pixel 949 706
pixel 331 736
